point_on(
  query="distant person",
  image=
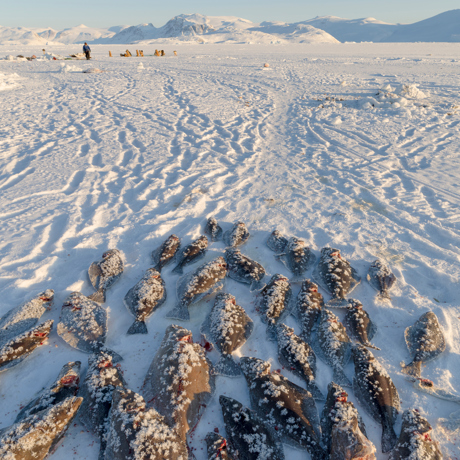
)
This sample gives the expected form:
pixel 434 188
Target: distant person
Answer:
pixel 87 51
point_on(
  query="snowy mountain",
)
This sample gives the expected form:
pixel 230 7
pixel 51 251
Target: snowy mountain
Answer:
pixel 81 34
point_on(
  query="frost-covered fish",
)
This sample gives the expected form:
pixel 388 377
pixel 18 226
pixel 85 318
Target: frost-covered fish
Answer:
pixel 297 256
pixel 228 327
pixel 288 408
pixel 136 433
pixel 144 298
pixel 249 437
pixel 359 324
pixel 344 433
pixel 164 254
pixel 195 251
pixel 243 269
pixel 376 392
pixel 298 357
pixel 217 447
pixel 83 325
pixel 308 306
pixel 213 229
pixel 35 437
pixel 179 382
pixel 416 439
pixel 381 278
pixel 277 241
pixel 105 272
pixel 193 286
pixel 425 341
pixel 65 386
pixel 274 299
pixel 335 274
pixel 334 345
pixel 237 235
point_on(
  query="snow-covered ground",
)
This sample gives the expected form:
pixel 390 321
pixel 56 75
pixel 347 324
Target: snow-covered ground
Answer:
pixel 331 143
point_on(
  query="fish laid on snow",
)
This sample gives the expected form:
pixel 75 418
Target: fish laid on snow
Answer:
pixel 376 392
pixel 344 433
pixel 425 341
pixel 213 229
pixel 335 274
pixel 298 357
pixel 166 252
pixel 277 241
pixel 136 433
pixel 179 382
pixel 358 323
pixel 65 386
pixel 217 447
pixel 193 286
pixel 144 298
pixel 191 253
pixel 228 327
pixel 83 325
pixel 243 269
pixel 308 306
pixel 237 235
pixel 249 437
pixel 416 439
pixel 381 278
pixel 334 345
pixel 297 256
pixel 288 408
pixel 105 272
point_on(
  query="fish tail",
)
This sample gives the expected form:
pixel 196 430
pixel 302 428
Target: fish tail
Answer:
pixel 138 327
pixel 180 312
pixel 389 438
pixel 271 332
pixel 384 295
pixel 369 345
pixel 340 378
pixel 337 303
pixel 178 269
pixel 315 391
pixel 414 368
pixel 98 296
pixel 257 286
pixel 227 366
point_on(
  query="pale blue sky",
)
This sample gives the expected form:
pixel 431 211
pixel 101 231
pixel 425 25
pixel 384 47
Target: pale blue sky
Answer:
pixel 59 14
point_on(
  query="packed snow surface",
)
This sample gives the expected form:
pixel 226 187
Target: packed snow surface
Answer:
pixel 123 159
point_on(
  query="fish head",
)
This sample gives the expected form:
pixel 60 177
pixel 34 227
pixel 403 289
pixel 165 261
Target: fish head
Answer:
pixel 361 354
pixel 282 329
pixel 110 253
pixel 47 297
pixel 354 304
pixel 229 405
pixel 254 367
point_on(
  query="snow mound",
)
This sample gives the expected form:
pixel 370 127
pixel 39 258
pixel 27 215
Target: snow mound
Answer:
pixel 65 68
pixel 9 81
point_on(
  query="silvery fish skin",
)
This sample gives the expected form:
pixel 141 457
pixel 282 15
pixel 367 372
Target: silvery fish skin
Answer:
pixel 297 256
pixel 425 341
pixel 105 272
pixel 308 307
pixel 277 241
pixel 298 357
pixel 288 408
pixel 335 345
pixel 358 324
pixel 136 432
pixel 344 433
pixel 228 327
pixel 180 381
pixel 237 235
pixel 217 447
pixel 213 229
pixel 381 278
pixel 376 392
pixel 166 252
pixel 144 298
pixel 243 269
pixel 416 439
pixel 35 437
pixel 65 386
pixel 191 253
pixel 249 437
pixel 193 286
pixel 16 349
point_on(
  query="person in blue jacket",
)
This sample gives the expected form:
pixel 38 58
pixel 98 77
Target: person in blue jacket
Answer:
pixel 87 50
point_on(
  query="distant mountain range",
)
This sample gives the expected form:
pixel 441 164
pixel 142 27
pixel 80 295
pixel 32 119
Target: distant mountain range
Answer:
pixel 197 28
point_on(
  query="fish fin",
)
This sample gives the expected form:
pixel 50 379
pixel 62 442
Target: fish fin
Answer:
pixel 227 366
pixel 138 327
pixel 414 368
pixel 98 296
pixel 180 312
pixel 337 303
pixel 271 333
pixel 340 378
pixel 315 391
pixel 389 438
pixel 178 269
pixel 369 345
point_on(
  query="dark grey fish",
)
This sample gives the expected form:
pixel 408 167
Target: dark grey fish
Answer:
pixel 191 253
pixel 274 299
pixel 297 256
pixel 335 274
pixel 193 286
pixel 376 392
pixel 288 408
pixel 179 382
pixel 334 345
pixel 298 357
pixel 217 447
pixel 136 432
pixel 381 278
pixel 344 433
pixel 166 252
pixel 105 272
pixel 144 298
pixel 13 351
pixel 308 307
pixel 277 241
pixel 213 229
pixel 243 269
pixel 65 386
pixel 359 324
pixel 228 327
pixel 83 325
pixel 416 439
pixel 425 341
pixel 248 436
pixel 237 235
pixel 35 437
